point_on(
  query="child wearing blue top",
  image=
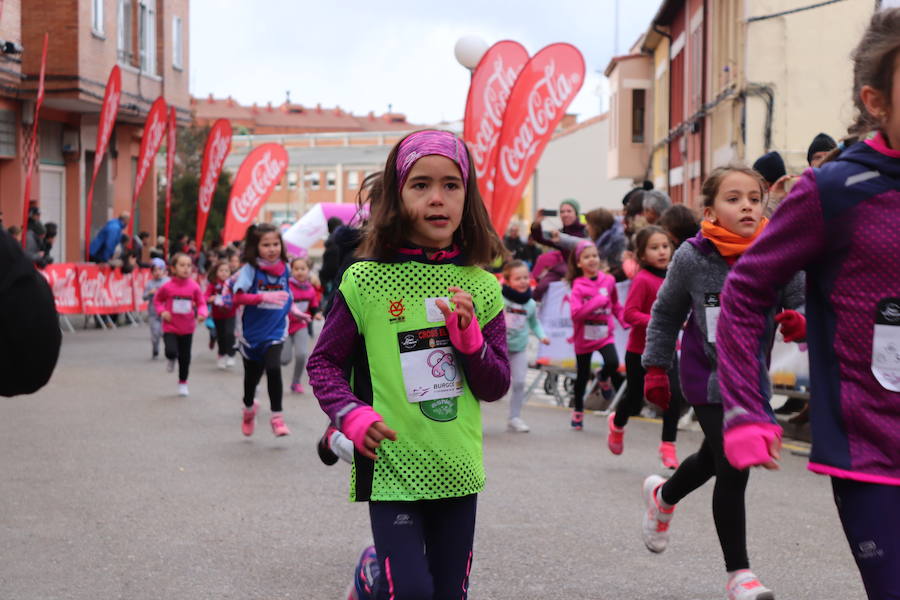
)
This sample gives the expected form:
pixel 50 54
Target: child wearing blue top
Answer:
pixel 520 313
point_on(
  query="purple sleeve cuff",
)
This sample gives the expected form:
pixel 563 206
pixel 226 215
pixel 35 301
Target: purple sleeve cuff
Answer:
pixel 487 369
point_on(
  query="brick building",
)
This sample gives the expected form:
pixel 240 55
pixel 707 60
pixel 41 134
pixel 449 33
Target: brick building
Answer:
pixel 148 39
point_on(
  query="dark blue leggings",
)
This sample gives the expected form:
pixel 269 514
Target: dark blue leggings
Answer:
pixel 871 520
pixel 424 548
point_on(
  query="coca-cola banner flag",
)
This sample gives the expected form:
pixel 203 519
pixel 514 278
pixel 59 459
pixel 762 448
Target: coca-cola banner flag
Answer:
pixel 257 177
pixel 31 157
pixel 546 86
pixel 139 279
pixel 104 130
pixel 154 131
pixel 218 145
pixel 104 291
pixel 63 281
pixel 492 83
pixel 170 163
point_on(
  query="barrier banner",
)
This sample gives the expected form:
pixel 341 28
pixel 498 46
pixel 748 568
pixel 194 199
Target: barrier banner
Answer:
pixel 104 291
pixel 63 281
pixel 139 279
pixel 556 320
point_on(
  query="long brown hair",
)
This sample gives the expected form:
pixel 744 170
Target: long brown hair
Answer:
pixel 388 224
pixel 874 60
pixel 251 242
pixel 599 220
pixel 711 184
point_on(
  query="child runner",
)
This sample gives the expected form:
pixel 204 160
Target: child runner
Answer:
pixel 261 287
pixel 158 279
pixel 179 303
pixel 653 251
pixel 419 328
pixel 733 218
pixel 520 313
pixel 222 313
pixel 841 224
pixel 592 302
pixel 306 303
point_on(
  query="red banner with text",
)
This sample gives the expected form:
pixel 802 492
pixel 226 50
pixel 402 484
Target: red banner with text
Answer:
pixel 139 279
pixel 154 132
pixel 218 145
pixel 256 178
pixel 108 114
pixel 170 163
pixel 104 290
pixel 63 281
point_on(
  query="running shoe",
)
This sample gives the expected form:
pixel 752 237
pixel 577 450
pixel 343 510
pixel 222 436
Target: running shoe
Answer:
pixel 655 530
pixel 606 389
pixel 616 438
pixel 366 574
pixel 229 362
pixel 278 426
pixel 297 388
pixel 221 363
pixel 744 585
pixel 183 388
pixel 577 420
pixel 517 425
pixel 249 420
pixel 323 447
pixel 667 455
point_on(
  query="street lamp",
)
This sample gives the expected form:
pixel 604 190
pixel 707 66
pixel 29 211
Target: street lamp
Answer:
pixel 469 49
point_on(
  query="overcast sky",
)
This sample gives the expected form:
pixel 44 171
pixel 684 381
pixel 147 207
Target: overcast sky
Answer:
pixel 365 56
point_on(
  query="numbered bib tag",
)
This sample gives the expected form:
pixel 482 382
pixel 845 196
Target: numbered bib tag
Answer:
pixel 432 312
pixel 886 344
pixel 430 369
pixel 302 305
pixel 515 318
pixel 595 330
pixel 182 306
pixel 712 309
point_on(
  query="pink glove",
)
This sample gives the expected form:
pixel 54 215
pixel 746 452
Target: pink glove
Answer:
pixel 356 423
pixel 749 445
pixel 656 387
pixel 468 340
pixel 793 325
pixel 279 297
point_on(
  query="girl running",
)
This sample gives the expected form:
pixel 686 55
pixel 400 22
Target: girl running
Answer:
pixel 414 339
pixel 158 278
pixel 520 311
pixel 653 251
pixel 592 302
pixel 306 304
pixel 733 219
pixel 841 224
pixel 261 287
pixel 180 305
pixel 222 313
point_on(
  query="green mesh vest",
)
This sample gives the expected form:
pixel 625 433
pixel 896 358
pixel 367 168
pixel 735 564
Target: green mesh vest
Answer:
pixel 417 382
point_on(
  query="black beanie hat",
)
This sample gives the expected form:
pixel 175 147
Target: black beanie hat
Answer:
pixel 821 143
pixel 771 166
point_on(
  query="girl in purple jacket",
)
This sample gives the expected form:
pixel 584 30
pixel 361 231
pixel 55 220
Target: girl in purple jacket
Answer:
pixel 841 224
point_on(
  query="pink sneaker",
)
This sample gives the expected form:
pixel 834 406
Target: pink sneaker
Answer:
pixel 667 455
pixel 278 426
pixel 577 420
pixel 616 438
pixel 297 388
pixel 249 420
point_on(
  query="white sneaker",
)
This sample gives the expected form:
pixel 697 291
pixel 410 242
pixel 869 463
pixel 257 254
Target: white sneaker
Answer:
pixel 744 585
pixel 229 361
pixel 221 363
pixel 517 425
pixel 182 389
pixel 170 365
pixel 655 530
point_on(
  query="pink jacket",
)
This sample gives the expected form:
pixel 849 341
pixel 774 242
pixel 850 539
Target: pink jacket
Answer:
pixel 305 299
pixel 592 303
pixel 184 300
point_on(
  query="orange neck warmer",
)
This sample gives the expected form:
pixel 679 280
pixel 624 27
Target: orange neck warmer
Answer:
pixel 730 245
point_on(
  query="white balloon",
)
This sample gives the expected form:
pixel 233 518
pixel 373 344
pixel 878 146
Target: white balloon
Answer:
pixel 469 49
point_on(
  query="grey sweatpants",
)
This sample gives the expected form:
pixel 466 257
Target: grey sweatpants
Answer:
pixel 296 346
pixel 518 369
pixel 155 332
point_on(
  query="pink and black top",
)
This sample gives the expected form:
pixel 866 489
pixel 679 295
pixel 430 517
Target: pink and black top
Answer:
pixel 593 302
pixel 181 297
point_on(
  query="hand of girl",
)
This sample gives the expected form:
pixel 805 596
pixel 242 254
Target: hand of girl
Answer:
pixel 465 308
pixel 166 316
pixel 376 433
pixel 545 341
pixel 318 317
pixel 753 445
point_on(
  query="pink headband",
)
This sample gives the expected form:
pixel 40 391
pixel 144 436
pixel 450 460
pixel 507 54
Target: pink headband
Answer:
pixel 428 142
pixel 581 247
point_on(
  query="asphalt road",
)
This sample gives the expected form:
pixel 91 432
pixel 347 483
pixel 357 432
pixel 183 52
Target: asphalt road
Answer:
pixel 114 487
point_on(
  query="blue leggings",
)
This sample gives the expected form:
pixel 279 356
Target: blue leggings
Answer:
pixel 424 548
pixel 870 514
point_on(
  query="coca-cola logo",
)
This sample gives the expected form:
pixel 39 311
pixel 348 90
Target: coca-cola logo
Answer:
pixel 546 101
pixel 64 292
pixel 264 175
pixel 218 150
pixel 495 96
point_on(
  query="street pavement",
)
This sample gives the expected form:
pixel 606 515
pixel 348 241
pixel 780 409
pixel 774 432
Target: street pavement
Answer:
pixel 114 487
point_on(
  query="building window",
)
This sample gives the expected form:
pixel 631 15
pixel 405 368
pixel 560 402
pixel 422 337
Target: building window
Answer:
pixel 313 180
pixel 125 37
pixel 177 44
pixel 147 24
pixel 353 180
pixel 638 115
pixel 97 16
pixel 292 178
pixel 331 180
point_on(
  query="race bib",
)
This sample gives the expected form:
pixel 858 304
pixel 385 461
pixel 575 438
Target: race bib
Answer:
pixel 302 305
pixel 432 312
pixel 182 306
pixel 430 368
pixel 595 330
pixel 515 318
pixel 712 308
pixel 886 344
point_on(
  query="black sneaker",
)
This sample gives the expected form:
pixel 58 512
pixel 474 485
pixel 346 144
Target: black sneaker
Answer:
pixel 323 447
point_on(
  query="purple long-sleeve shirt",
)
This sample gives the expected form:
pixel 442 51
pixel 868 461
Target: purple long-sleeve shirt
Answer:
pixel 841 224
